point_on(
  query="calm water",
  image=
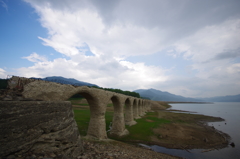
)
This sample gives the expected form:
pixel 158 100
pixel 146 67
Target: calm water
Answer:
pixel 228 111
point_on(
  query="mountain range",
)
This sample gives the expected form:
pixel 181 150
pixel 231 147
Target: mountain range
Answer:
pixel 158 95
pixel 62 80
pixel 152 94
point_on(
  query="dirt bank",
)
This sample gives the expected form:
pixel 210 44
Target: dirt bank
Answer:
pixel 187 131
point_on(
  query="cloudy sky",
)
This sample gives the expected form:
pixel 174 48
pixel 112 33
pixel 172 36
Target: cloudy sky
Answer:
pixel 186 47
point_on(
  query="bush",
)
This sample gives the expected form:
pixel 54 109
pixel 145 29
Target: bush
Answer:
pixel 3 83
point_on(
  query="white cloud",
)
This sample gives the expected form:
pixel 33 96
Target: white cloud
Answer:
pixel 114 30
pixel 105 72
pixel 3 73
pixel 34 57
pixel 234 69
pixel 4 5
pixel 210 41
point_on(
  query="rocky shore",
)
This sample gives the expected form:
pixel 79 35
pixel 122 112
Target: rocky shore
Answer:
pixel 118 150
pixel 102 150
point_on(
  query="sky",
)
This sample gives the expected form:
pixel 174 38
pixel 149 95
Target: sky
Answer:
pixel 185 47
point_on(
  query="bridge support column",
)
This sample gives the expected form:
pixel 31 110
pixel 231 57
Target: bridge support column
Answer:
pixel 143 110
pixel 140 110
pixel 118 123
pixel 129 120
pixel 97 124
pixel 135 112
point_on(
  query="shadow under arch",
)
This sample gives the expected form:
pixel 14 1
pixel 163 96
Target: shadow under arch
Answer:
pixel 97 123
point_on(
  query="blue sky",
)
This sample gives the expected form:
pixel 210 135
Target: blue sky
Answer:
pixel 188 47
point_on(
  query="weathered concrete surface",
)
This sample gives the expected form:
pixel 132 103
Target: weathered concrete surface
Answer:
pixel 38 127
pixel 118 123
pixel 97 99
pixel 129 120
pixel 48 91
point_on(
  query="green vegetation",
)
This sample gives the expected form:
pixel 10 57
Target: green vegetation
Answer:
pixel 110 105
pixel 129 93
pixel 143 130
pixel 82 117
pixel 3 83
pixel 76 96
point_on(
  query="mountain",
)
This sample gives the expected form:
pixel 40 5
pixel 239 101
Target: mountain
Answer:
pixel 72 81
pixel 158 95
pixel 232 98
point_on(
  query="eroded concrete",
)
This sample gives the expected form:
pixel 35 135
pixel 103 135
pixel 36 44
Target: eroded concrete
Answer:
pixel 38 127
pixel 97 99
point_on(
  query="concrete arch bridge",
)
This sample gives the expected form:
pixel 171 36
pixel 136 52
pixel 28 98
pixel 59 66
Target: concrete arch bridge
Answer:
pixel 97 99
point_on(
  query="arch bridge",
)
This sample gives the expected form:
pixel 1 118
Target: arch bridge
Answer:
pixel 126 108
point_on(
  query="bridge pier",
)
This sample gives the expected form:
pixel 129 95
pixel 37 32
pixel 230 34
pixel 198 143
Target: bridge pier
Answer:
pixel 118 123
pixel 139 109
pixel 129 120
pixel 135 110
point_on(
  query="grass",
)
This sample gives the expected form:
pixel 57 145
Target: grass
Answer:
pixel 82 117
pixel 110 105
pixel 143 129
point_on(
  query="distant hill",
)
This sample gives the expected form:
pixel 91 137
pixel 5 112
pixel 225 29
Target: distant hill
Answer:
pixel 158 95
pixel 233 98
pixel 62 80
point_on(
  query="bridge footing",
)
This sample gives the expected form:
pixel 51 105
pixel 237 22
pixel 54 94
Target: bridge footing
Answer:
pixel 130 123
pixel 119 134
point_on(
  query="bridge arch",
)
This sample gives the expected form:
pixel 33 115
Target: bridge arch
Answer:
pixel 97 123
pixel 118 122
pixel 97 99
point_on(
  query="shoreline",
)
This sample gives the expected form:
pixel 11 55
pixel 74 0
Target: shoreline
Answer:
pixel 172 102
pixel 185 131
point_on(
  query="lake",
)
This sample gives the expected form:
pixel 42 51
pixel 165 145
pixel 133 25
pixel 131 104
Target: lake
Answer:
pixel 230 111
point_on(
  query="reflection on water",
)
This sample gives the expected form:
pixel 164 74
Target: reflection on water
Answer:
pixel 228 111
